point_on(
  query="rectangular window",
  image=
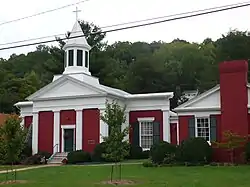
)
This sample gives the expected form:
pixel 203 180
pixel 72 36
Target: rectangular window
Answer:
pixel 71 57
pixel 79 57
pixel 86 59
pixel 203 128
pixel 146 134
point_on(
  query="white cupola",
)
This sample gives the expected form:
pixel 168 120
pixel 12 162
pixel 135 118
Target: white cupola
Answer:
pixel 76 52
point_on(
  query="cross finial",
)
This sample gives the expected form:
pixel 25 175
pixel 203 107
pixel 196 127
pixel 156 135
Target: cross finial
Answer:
pixel 76 11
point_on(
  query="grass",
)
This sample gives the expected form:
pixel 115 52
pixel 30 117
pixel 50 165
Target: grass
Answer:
pixel 90 176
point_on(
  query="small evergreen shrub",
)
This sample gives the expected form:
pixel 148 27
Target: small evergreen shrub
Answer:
pixel 98 152
pixel 78 156
pixel 161 151
pixel 135 152
pixel 32 160
pixel 145 154
pixel 148 163
pixel 45 154
pixel 247 152
pixel 195 150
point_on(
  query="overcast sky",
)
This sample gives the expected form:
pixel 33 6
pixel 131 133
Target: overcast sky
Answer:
pixel 108 12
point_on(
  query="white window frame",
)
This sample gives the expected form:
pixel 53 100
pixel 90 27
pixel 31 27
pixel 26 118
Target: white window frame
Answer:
pixel 196 126
pixel 140 120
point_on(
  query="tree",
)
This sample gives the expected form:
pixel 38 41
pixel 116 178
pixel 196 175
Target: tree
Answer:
pixel 232 141
pixel 12 142
pixel 116 147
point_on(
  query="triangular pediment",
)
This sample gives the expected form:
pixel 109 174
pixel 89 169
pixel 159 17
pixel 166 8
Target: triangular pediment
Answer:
pixel 208 99
pixel 66 87
pixel 211 100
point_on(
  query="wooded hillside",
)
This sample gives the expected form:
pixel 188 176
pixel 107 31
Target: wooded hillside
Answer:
pixel 134 67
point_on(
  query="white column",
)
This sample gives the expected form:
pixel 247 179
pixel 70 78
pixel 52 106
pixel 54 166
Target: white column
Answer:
pixel 166 126
pixel 22 122
pixel 103 127
pixel 79 129
pixel 126 124
pixel 56 136
pixel 35 133
pixel 177 131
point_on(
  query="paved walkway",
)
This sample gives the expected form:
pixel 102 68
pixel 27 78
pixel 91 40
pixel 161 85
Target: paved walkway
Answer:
pixel 53 165
pixel 31 167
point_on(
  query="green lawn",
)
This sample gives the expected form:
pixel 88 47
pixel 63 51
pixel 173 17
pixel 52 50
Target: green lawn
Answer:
pixel 90 176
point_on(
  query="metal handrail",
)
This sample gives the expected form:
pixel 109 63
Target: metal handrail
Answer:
pixel 57 145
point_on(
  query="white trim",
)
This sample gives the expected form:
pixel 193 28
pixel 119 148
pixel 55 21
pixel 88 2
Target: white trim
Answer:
pixel 63 127
pixel 177 131
pixel 35 133
pixel 140 120
pixel 79 126
pixel 166 126
pixel 68 126
pixel 56 138
pixel 196 126
pixel 103 127
pixel 146 119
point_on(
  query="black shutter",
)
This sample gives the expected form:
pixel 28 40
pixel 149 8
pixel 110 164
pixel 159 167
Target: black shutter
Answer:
pixel 191 127
pixel 156 132
pixel 213 128
pixel 136 138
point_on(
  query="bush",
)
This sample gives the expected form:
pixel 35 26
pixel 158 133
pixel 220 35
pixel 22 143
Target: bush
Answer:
pixel 45 154
pixel 161 150
pixel 247 151
pixel 27 151
pixel 98 152
pixel 79 156
pixel 32 160
pixel 195 150
pixel 135 152
pixel 148 163
pixel 145 154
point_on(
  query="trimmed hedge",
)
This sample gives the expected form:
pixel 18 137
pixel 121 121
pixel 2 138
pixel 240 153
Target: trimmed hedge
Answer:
pixel 98 152
pixel 247 151
pixel 78 156
pixel 195 150
pixel 163 152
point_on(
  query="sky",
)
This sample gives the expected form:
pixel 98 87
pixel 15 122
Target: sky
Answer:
pixel 108 12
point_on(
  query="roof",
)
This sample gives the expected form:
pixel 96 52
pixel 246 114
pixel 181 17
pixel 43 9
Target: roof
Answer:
pixel 100 89
pixel 77 38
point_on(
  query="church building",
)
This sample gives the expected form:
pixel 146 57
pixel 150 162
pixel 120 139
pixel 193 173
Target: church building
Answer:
pixel 65 114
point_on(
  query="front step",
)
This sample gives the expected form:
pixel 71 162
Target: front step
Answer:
pixel 57 158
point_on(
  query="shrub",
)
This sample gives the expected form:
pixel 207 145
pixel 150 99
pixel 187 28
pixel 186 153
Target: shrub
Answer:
pixel 145 154
pixel 135 152
pixel 27 151
pixel 148 163
pixel 247 151
pixel 45 154
pixel 98 152
pixel 78 156
pixel 195 150
pixel 159 151
pixel 32 160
